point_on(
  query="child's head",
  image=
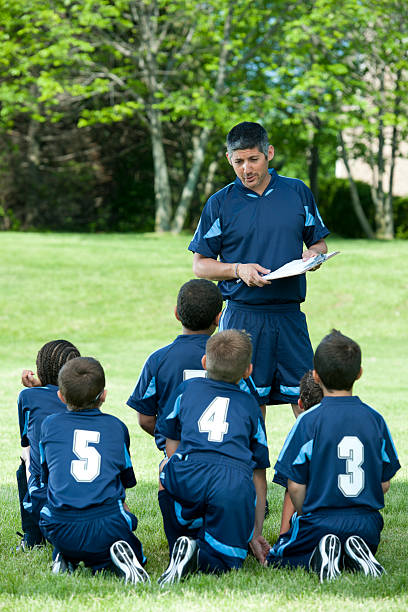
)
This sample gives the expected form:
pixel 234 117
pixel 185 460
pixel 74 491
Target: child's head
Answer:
pixel 310 392
pixel 337 361
pixel 199 302
pixel 50 359
pixel 228 355
pixel 82 383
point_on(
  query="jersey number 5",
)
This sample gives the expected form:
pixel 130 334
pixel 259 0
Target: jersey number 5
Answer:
pixel 213 420
pixel 88 465
pixel 352 450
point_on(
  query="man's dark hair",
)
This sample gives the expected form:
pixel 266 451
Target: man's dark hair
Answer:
pixel 199 301
pixel 247 135
pixel 50 359
pixel 228 355
pixel 310 392
pixel 81 382
pixel 337 361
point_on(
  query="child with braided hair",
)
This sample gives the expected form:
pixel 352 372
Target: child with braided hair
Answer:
pixel 35 403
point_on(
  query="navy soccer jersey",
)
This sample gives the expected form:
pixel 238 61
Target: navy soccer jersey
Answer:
pixel 214 416
pixel 85 459
pixel 165 369
pixel 238 225
pixel 34 405
pixel 342 451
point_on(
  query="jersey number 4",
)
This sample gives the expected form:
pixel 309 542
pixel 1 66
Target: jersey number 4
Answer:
pixel 88 465
pixel 352 450
pixel 213 420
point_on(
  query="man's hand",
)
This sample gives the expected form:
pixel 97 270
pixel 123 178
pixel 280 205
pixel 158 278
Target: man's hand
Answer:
pixel 260 548
pixel 318 248
pixel 250 274
pixel 28 379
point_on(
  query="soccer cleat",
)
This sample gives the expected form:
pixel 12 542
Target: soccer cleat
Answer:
pixel 359 558
pixel 124 558
pixel 183 561
pixel 325 558
pixel 60 565
pixel 29 541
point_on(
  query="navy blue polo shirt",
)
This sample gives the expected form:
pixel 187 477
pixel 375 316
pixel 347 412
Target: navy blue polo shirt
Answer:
pixel 342 451
pixel 238 225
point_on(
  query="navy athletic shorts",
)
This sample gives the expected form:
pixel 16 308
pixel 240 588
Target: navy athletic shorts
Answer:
pixel 219 491
pixel 294 547
pixel 87 535
pixel 282 351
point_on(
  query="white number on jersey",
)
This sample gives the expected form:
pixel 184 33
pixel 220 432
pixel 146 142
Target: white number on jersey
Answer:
pixel 213 419
pixel 194 374
pixel 352 450
pixel 88 465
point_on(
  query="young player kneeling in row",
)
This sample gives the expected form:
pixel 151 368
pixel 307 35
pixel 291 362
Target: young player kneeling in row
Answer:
pixel 218 453
pixel 338 458
pixel 86 462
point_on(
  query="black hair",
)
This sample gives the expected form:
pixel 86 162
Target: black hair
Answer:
pixel 228 355
pixel 199 301
pixel 81 382
pixel 310 392
pixel 247 135
pixel 337 361
pixel 50 359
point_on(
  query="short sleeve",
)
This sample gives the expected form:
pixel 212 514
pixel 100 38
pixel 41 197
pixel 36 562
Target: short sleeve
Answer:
pixel 389 454
pixel 23 417
pixel 259 446
pixel 144 398
pixel 314 228
pixel 169 421
pixel 207 237
pixel 127 475
pixel 294 459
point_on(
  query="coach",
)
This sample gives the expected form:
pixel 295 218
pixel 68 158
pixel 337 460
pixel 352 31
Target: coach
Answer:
pixel 265 218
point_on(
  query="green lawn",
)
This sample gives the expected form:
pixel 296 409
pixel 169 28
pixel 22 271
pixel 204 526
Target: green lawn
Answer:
pixel 113 296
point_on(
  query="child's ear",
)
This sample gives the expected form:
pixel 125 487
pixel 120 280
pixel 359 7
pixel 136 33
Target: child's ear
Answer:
pixel 316 377
pixel 103 396
pixel 204 361
pixel 62 398
pixel 248 371
pixel 300 404
pixel 217 319
pixel 176 313
pixel 359 375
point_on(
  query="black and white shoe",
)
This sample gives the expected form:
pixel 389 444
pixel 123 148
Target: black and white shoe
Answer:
pixel 326 557
pixel 359 558
pixel 183 561
pixel 125 560
pixel 61 565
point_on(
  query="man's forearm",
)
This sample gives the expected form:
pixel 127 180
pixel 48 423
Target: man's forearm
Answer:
pixel 205 267
pixel 319 247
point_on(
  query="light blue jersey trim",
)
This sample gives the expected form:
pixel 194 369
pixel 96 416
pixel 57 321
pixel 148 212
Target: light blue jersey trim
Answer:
pixel 384 455
pixel 42 454
pixel 124 514
pixel 32 488
pixel 44 510
pixel 319 217
pixel 243 386
pixel 215 229
pixel 221 321
pixel 27 506
pixel 269 191
pixel 304 453
pixel 191 524
pixel 252 195
pixel 176 409
pixel 294 428
pixel 263 391
pixel 224 549
pixel 289 390
pixel 310 220
pixel 260 435
pixel 151 389
pixel 128 462
pixel 27 416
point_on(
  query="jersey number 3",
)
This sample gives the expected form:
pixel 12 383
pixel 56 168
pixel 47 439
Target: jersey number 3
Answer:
pixel 88 465
pixel 213 420
pixel 352 450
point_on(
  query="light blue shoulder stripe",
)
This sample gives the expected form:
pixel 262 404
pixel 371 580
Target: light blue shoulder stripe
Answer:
pixel 230 551
pixel 319 217
pixel 151 389
pixel 128 461
pixel 176 409
pixel 294 428
pixel 310 220
pixel 305 453
pixel 215 229
pixel 42 454
pixel 260 435
pixel 27 416
pixel 384 454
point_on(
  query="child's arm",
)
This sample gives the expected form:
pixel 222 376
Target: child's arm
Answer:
pixel 147 422
pixel 258 544
pixel 297 494
pixel 171 446
pixel 385 486
pixel 288 510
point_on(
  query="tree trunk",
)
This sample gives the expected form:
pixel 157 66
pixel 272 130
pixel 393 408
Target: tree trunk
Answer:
pixel 355 198
pixel 314 159
pixel 162 191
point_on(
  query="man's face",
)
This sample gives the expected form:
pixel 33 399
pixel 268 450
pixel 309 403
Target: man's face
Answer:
pixel 251 166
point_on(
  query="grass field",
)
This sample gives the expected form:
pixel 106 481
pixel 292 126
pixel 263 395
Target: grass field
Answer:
pixel 113 297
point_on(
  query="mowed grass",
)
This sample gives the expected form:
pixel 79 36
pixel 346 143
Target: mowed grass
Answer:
pixel 113 296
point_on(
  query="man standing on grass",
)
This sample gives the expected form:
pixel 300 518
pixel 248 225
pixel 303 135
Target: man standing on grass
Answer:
pixel 252 226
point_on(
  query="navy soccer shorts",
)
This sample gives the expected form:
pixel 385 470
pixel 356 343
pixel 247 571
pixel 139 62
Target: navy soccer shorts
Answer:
pixel 294 547
pixel 282 351
pixel 87 535
pixel 215 497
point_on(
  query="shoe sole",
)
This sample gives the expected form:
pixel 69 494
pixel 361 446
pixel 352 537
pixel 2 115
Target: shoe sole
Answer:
pixel 329 549
pixel 179 566
pixel 125 559
pixel 361 559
